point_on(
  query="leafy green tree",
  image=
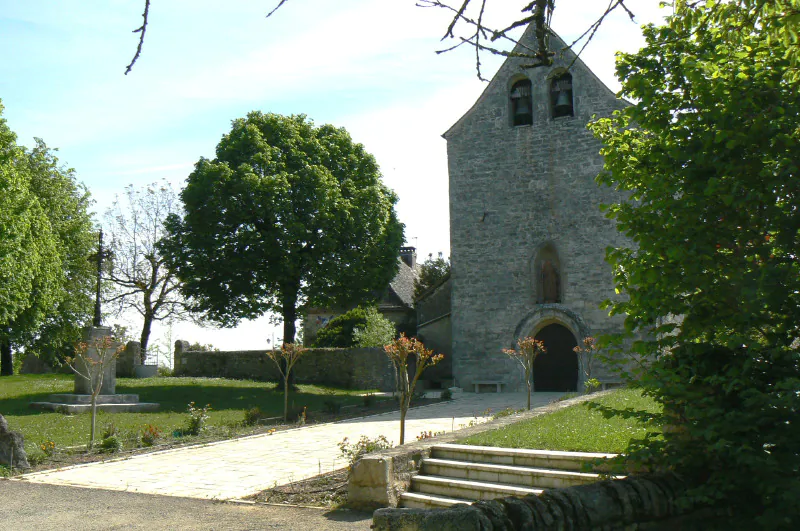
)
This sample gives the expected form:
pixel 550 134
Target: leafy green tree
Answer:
pixel 338 332
pixel 287 215
pixel 709 158
pixel 45 238
pixel 378 331
pixel 431 271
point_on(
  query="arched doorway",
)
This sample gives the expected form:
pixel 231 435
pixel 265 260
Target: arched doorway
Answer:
pixel 557 369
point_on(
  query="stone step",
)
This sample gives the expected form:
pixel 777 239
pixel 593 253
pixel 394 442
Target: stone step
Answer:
pixel 466 489
pixel 70 398
pixel 505 474
pixel 547 459
pixel 72 409
pixel 416 500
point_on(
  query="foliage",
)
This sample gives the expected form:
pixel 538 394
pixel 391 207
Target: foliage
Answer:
pixel 253 415
pixel 338 332
pixel 376 332
pixel 90 362
pixel 198 416
pixel 400 352
pixel 48 447
pixel 45 238
pixel 285 359
pixel 525 354
pixel 110 429
pixel 111 444
pixel 287 216
pixel 429 435
pixel 355 451
pixel 142 279
pixel 580 428
pixel 431 272
pixel 150 434
pixel 447 394
pixel 507 412
pixel 587 355
pixel 708 157
pixel 200 347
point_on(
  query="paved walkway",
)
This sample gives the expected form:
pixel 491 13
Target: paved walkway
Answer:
pixel 240 467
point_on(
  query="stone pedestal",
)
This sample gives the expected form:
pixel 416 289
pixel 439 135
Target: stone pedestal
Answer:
pixel 82 385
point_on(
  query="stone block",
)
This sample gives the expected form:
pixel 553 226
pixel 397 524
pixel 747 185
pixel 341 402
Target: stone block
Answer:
pixel 12 447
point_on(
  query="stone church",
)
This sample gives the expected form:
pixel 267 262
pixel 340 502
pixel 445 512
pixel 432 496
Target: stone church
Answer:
pixel 527 235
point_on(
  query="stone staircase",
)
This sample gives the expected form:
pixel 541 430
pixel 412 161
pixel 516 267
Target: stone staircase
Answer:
pixel 457 473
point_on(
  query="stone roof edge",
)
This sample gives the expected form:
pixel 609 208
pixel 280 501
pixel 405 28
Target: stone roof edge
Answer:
pixel 528 30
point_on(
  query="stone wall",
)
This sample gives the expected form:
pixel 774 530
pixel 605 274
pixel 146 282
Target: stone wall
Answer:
pixel 513 191
pixel 434 328
pixel 637 502
pixel 358 368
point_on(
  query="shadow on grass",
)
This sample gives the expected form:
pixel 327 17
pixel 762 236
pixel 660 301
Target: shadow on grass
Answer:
pixel 174 394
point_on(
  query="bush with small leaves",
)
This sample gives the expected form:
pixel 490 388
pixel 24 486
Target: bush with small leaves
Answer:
pixel 355 451
pixel 111 444
pixel 150 434
pixel 253 415
pixel 447 394
pixel 197 419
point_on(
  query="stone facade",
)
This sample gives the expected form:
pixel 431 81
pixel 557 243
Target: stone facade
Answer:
pixel 434 329
pixel 357 368
pixel 527 235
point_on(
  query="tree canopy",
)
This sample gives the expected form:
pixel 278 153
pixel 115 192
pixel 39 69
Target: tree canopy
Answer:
pixel 287 215
pixel 708 156
pixel 45 239
pixel 431 271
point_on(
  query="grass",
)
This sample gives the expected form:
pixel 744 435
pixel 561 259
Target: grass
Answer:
pixel 578 428
pixel 228 398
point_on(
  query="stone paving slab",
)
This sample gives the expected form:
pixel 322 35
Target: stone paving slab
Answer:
pixel 240 467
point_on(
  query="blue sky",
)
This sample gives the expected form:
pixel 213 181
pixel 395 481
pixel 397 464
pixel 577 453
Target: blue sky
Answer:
pixel 366 65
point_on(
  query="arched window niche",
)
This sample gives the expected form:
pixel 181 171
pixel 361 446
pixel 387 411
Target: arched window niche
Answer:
pixel 548 275
pixel 561 95
pixel 521 103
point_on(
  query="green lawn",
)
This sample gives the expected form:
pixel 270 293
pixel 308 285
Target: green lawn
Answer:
pixel 578 428
pixel 228 398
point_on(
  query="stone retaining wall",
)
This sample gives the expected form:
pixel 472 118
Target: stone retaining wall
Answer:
pixel 640 502
pixel 357 368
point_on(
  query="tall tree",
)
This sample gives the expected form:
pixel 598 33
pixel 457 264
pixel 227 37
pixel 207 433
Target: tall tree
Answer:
pixel 288 214
pixel 143 280
pixel 45 234
pixel 709 157
pixel 431 271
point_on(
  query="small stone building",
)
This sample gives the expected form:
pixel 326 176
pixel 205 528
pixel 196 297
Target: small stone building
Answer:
pixel 527 235
pixel 396 303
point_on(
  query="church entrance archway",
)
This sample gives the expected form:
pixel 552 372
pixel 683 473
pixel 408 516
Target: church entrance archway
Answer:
pixel 557 369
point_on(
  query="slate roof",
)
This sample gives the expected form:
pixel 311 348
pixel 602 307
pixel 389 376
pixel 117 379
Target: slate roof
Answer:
pixel 401 288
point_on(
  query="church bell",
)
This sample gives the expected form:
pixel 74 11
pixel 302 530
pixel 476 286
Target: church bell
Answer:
pixel 563 103
pixel 523 107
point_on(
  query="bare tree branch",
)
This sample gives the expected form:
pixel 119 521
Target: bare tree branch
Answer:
pixel 141 31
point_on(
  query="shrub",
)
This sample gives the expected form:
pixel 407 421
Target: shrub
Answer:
pixel 447 394
pixel 376 332
pixel 48 448
pixel 355 451
pixel 368 399
pixel 150 434
pixel 339 330
pixel 429 435
pixel 332 406
pixel 111 444
pixel 253 415
pixel 591 385
pixel 165 371
pixel 197 419
pixel 110 430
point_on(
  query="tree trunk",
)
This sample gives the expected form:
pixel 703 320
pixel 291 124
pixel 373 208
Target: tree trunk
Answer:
pixel 285 397
pixel 6 359
pixel 289 331
pixel 403 411
pixel 94 421
pixel 145 337
pixel 529 394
